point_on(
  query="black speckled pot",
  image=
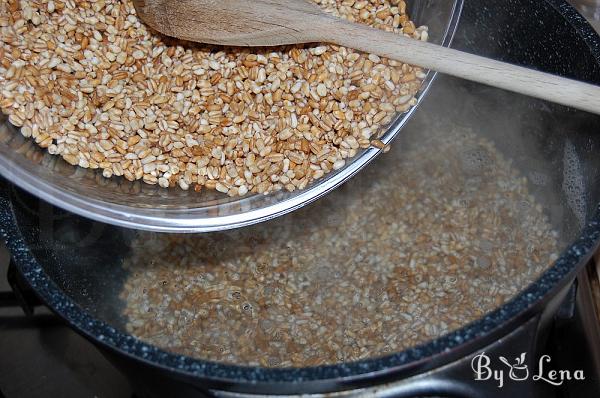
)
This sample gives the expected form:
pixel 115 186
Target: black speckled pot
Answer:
pixel 543 34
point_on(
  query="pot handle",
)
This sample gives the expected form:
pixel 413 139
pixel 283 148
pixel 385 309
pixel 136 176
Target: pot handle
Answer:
pixel 428 386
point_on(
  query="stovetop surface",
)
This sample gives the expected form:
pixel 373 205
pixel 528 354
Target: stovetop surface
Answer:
pixel 40 357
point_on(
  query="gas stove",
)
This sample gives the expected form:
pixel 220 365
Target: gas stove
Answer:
pixel 42 357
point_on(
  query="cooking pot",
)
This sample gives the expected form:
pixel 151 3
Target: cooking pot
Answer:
pixel 75 265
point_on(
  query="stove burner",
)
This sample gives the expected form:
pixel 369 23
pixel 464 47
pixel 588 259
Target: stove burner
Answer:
pixel 42 357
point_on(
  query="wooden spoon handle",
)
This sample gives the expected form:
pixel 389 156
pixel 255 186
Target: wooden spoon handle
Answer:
pixel 546 86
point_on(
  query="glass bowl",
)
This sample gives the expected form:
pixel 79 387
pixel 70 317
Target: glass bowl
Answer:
pixel 141 206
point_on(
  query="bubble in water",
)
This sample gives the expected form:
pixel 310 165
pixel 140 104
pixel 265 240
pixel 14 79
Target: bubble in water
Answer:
pixel 476 160
pixel 234 295
pixel 465 203
pixel 523 207
pixel 247 308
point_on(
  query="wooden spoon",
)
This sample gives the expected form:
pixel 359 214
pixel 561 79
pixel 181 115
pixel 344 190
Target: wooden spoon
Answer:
pixel 280 22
